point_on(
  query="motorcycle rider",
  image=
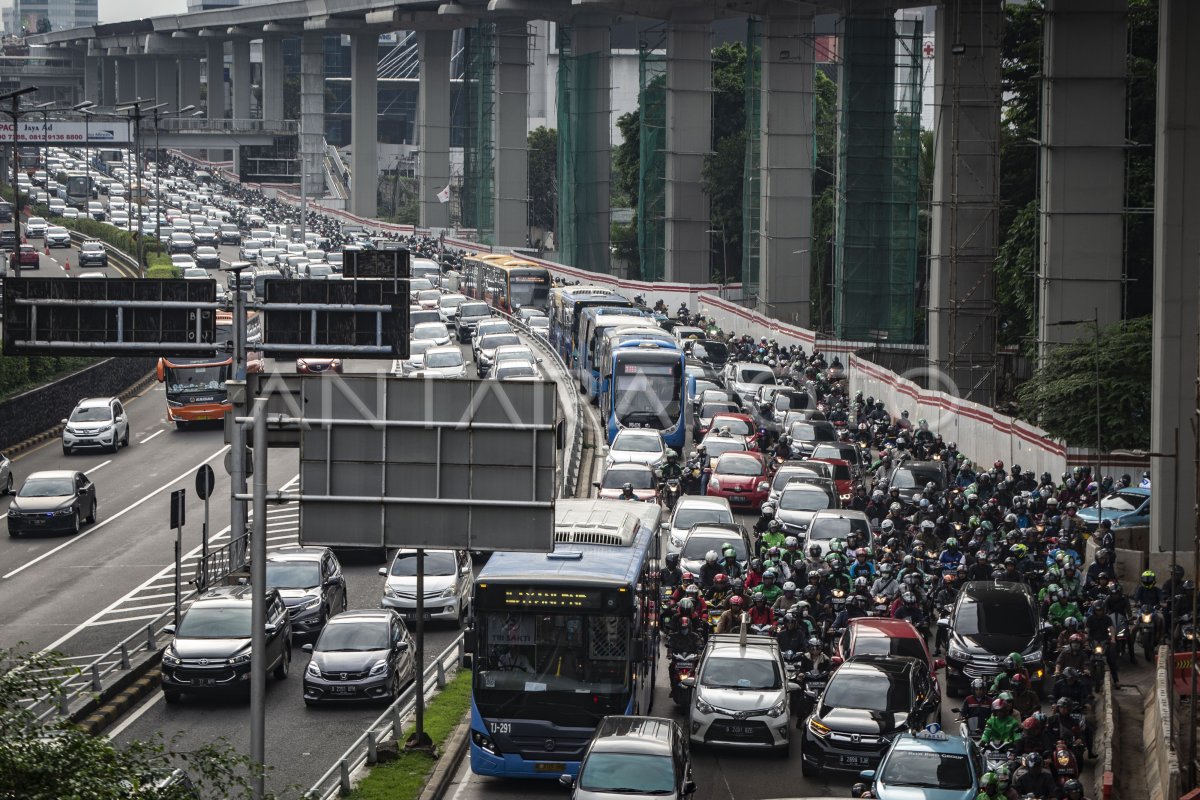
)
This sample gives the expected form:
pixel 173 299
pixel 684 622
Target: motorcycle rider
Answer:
pixel 627 492
pixel 1063 726
pixel 670 575
pixel 705 465
pixel 774 537
pixel 1100 631
pixel 886 584
pixel 910 609
pixel 760 613
pixel 1073 789
pixel 1062 608
pixel 1032 777
pixel 951 556
pixel 786 600
pixel 1001 726
pixel 977 703
pixel 1074 686
pixel 792 638
pixel 731 617
pixel 730 563
pixel 710 569
pixel 1149 594
pixel 989 788
pixel 684 640
pixel 765 517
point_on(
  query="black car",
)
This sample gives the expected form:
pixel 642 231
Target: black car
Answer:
pixel 6 212
pixel 361 655
pixel 54 500
pixel 912 477
pixel 206 236
pixel 311 583
pixel 469 315
pixel 808 434
pixel 92 254
pixel 798 503
pixel 990 620
pixel 230 234
pixel 8 240
pixel 207 257
pixel 210 650
pixel 869 701
pixel 634 757
pixel 181 243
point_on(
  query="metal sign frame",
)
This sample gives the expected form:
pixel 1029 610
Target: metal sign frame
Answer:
pixel 386 263
pixel 336 319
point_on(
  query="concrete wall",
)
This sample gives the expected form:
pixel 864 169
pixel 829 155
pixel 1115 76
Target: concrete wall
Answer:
pixel 1162 762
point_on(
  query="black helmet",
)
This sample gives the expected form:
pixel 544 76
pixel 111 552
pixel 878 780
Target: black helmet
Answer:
pixel 672 560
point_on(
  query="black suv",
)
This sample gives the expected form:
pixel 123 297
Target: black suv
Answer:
pixel 470 314
pixel 230 234
pixel 211 647
pixel 868 701
pixel 310 581
pixel 92 253
pixel 990 620
pixel 911 478
pixel 8 240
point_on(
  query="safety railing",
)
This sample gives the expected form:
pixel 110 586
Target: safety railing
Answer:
pixel 222 561
pixel 389 724
pixel 204 125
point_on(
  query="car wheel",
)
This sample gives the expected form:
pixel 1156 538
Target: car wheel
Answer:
pixel 285 661
pixel 171 696
pixel 66 450
pixel 344 600
pixel 462 616
pixel 394 688
pixel 91 519
pixel 125 441
pixel 78 523
pixel 13 534
pixel 8 485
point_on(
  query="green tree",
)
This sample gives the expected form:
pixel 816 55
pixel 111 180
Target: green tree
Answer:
pixel 725 168
pixel 543 178
pixel 49 761
pixel 626 170
pixel 825 137
pixel 1061 396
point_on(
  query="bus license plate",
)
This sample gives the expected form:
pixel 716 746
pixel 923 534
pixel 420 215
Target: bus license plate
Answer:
pixel 550 766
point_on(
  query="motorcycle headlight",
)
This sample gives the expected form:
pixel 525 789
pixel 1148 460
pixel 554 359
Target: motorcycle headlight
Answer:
pixel 779 709
pixel 313 669
pixel 240 658
pixel 378 667
pixel 1099 649
pixel 1033 655
pixel 703 707
pixel 1146 618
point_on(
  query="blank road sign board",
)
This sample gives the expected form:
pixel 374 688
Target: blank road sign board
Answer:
pixel 390 263
pixel 341 319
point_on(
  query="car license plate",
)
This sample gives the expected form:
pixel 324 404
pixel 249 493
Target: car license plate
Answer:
pixel 550 766
pixel 39 522
pixel 343 690
pixel 206 682
pixel 411 615
pixel 737 498
pixel 854 761
pixel 739 730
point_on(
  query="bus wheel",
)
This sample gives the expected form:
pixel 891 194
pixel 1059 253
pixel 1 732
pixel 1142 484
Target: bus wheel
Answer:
pixel 180 425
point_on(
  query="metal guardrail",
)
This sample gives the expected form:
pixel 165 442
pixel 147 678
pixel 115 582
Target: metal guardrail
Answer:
pixel 127 264
pixel 202 125
pixel 389 724
pixel 222 561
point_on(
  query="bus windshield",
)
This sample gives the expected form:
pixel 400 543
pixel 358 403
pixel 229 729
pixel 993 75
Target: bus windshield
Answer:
pixel 529 289
pixel 203 379
pixel 648 394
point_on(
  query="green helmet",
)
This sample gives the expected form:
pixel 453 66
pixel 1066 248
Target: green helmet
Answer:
pixel 951 543
pixel 988 781
pixel 1017 659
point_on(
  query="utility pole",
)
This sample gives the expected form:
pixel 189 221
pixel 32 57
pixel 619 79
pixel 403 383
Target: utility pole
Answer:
pixel 138 109
pixel 15 113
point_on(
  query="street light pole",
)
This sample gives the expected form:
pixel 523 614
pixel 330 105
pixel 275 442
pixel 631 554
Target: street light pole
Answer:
pixel 157 165
pixel 15 113
pixel 83 108
pixel 138 108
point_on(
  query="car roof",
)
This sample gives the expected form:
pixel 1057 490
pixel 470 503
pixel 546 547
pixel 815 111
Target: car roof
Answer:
pixel 629 734
pixel 841 513
pixel 982 590
pixel 645 433
pixel 92 402
pixel 715 530
pixel 53 473
pixel 762 647
pixel 229 595
pixel 701 501
pixel 909 742
pixel 884 628
pixel 891 665
pixel 297 552
pixel 362 614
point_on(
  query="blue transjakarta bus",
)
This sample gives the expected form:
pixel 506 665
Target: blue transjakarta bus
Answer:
pixel 593 322
pixel 566 305
pixel 647 384
pixel 612 338
pixel 561 639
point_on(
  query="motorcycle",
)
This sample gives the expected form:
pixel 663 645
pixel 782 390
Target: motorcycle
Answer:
pixel 814 683
pixel 683 665
pixel 1063 763
pixel 1149 630
pixel 997 755
pixel 1120 624
pixel 762 630
pixel 882 606
pixel 1099 662
pixel 671 492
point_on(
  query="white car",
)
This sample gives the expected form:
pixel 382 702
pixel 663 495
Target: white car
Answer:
pixel 428 298
pixel 745 379
pixel 540 326
pixel 58 237
pixel 99 422
pixel 639 445
pixel 515 371
pixel 35 228
pixel 436 331
pixel 448 306
pixel 183 261
pixel 692 510
pixel 118 219
pixel 740 694
pixel 514 353
pixel 444 362
pixel 448 585
pixel 196 274
pixel 416 355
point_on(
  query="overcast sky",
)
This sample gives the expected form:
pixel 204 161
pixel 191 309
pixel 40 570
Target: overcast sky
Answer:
pixel 120 10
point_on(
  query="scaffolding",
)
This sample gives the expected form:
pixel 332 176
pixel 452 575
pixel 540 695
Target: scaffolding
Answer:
pixel 582 239
pixel 652 144
pixel 479 174
pixel 752 171
pixel 879 119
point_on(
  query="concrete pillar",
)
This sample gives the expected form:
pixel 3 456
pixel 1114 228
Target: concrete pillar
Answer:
pixel 126 82
pixel 312 113
pixel 511 136
pixel 364 124
pixel 145 77
pixel 1081 261
pixel 107 94
pixel 584 213
pixel 240 79
pixel 272 78
pixel 216 79
pixel 689 139
pixel 91 79
pixel 167 82
pixel 189 82
pixel 965 230
pixel 1176 245
pixel 433 121
pixel 786 125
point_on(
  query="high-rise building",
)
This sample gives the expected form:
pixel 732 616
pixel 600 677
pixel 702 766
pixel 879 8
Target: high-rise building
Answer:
pixel 39 16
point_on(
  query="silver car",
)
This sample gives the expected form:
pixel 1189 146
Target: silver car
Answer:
pixel 99 422
pixel 6 475
pixel 448 585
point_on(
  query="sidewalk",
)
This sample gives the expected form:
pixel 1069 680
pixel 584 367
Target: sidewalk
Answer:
pixel 1129 764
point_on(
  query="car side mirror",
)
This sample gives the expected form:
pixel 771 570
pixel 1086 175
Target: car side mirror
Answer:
pixel 596 484
pixel 271 629
pixel 169 629
pixel 836 661
pixel 566 781
pixel 63 421
pixel 792 686
pixel 689 683
pixel 383 571
pixel 867 774
pixel 307 647
pixel 401 646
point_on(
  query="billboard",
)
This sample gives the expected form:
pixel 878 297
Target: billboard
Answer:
pixel 35 131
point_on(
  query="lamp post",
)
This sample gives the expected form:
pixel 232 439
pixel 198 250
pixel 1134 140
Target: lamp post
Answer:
pixel 83 108
pixel 157 216
pixel 1095 322
pixel 45 109
pixel 137 110
pixel 15 113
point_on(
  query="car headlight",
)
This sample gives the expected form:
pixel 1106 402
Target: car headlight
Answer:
pixel 62 512
pixel 958 653
pixel 309 602
pixel 378 667
pixel 450 591
pixel 388 591
pixel 170 659
pixel 816 728
pixel 313 669
pixel 779 709
pixel 703 707
pixel 676 540
pixel 714 484
pixel 240 658
pixel 762 487
pixel 1035 655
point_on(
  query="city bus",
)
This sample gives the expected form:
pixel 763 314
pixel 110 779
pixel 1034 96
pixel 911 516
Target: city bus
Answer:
pixel 80 189
pixel 566 306
pixel 505 282
pixel 592 325
pixel 195 386
pixel 561 639
pixel 647 384
pixel 613 338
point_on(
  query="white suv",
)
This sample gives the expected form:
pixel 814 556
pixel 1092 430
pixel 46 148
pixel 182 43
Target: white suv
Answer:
pixel 741 694
pixel 99 422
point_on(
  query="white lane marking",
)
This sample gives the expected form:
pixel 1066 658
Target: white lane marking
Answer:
pixel 134 716
pixel 100 525
pixel 151 436
pixel 278 538
pixel 154 596
pixel 124 619
pixel 98 466
pixel 155 606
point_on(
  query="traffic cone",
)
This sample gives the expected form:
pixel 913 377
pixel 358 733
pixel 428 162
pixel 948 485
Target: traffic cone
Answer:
pixel 47 248
pixel 67 264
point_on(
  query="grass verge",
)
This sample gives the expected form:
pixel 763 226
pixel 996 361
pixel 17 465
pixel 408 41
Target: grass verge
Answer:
pixel 404 778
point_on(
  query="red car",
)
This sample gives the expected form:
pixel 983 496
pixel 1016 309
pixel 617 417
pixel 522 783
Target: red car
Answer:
pixel 315 366
pixel 742 478
pixel 738 424
pixel 28 256
pixel 842 477
pixel 883 636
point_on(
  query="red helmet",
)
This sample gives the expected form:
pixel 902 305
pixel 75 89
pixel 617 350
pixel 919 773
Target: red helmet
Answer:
pixel 998 464
pixel 736 601
pixel 999 705
pixel 721 579
pixel 688 577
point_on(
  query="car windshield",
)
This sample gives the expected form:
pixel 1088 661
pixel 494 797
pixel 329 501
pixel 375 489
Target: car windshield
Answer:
pixel 915 477
pixel 867 690
pixel 1004 614
pixel 634 443
pixel 687 517
pixel 47 487
pixel 784 475
pixel 889 646
pixel 928 770
pixel 803 498
pixel 826 528
pixel 91 246
pixel 538 322
pixel 1122 502
pixel 628 773
pixel 710 410
pixel 293 574
pixel 734 464
pixel 721 672
pixel 444 358
pixel 754 374
pixel 807 432
pixel 616 478
pixel 319 271
pixel 356 636
pixel 518 370
pixel 436 563
pixel 738 427
pixel 494 340
pixel 91 414
pixel 719 446
pixel 696 547
pixel 430 330
pixel 215 622
pixel 473 310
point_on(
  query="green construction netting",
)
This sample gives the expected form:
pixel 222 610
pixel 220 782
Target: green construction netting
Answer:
pixel 878 154
pixel 652 177
pixel 751 197
pixel 582 205
pixel 479 83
